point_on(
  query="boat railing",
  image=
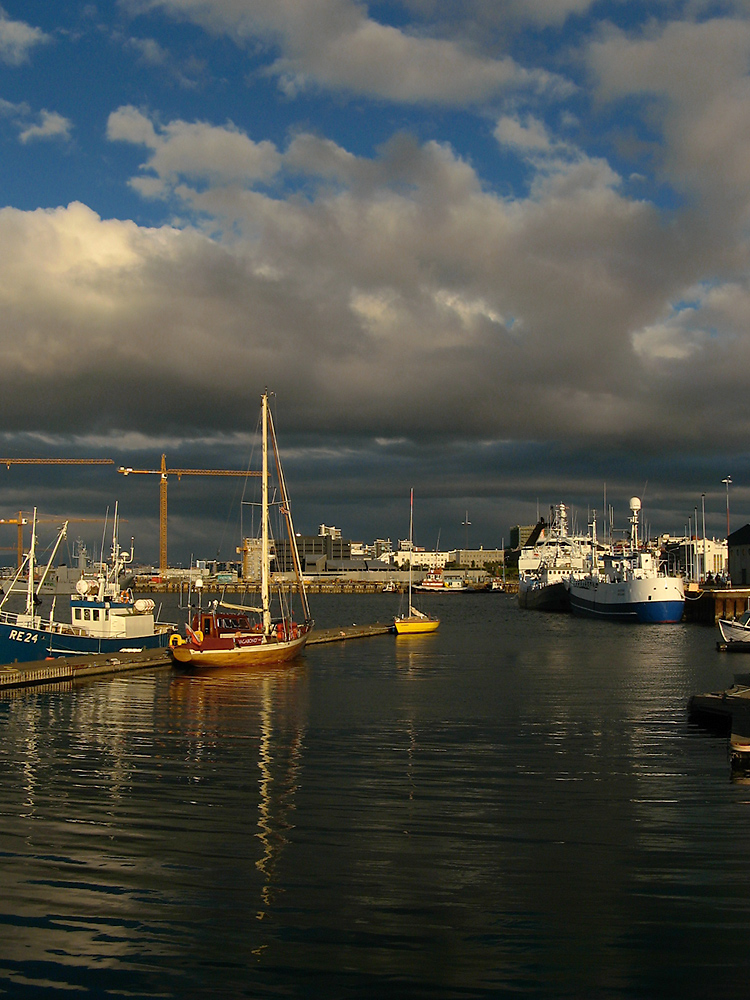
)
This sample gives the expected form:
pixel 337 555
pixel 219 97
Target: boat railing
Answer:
pixel 21 621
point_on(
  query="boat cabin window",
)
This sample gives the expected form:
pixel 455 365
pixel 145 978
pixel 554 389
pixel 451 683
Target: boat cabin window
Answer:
pixel 233 622
pixel 77 614
pixel 206 626
pixel 95 614
pixel 87 614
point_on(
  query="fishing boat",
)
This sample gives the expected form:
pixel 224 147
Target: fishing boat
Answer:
pixel 630 586
pixel 105 618
pixel 545 566
pixel 231 635
pixel 414 621
pixel 432 581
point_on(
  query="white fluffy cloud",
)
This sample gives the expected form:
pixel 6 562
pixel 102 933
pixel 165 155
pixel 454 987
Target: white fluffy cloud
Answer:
pixel 51 125
pixel 193 150
pixel 17 39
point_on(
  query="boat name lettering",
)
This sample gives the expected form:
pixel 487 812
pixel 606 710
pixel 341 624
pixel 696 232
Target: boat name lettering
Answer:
pixel 21 636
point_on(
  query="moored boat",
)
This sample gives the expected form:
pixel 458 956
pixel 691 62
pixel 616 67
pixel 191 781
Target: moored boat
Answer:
pixel 227 635
pixel 104 617
pixel 414 621
pixel 629 587
pixel 432 581
pixel 735 630
pixel 545 566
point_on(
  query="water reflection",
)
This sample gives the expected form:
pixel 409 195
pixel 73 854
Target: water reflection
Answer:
pixel 206 703
pixel 144 822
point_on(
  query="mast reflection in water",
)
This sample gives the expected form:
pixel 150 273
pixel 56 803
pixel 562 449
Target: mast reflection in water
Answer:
pixel 516 804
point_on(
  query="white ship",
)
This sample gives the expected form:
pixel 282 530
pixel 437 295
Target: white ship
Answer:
pixel 630 586
pixel 545 567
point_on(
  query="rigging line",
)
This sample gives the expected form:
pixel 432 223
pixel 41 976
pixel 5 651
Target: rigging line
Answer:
pixel 250 462
pixel 230 516
pixel 104 534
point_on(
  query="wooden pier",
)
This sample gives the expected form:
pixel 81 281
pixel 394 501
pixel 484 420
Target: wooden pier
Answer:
pixel 65 670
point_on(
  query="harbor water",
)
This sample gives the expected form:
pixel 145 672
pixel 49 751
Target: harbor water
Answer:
pixel 515 805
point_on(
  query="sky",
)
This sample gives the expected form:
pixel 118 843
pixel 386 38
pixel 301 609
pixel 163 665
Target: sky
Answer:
pixel 494 250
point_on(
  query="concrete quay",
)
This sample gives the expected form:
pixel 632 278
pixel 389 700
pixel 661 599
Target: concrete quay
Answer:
pixel 65 670
pixel 707 606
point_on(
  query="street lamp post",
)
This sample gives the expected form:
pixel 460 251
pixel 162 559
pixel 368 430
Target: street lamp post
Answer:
pixel 466 522
pixel 727 481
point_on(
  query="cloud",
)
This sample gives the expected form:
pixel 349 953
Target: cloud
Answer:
pixel 51 126
pixel 44 125
pixel 152 55
pixel 335 45
pixel 193 150
pixel 497 15
pixel 692 82
pixel 17 39
pixel 383 295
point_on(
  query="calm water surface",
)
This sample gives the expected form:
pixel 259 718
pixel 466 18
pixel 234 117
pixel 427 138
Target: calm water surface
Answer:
pixel 515 805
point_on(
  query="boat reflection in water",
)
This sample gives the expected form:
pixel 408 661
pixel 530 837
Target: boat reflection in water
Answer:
pixel 262 705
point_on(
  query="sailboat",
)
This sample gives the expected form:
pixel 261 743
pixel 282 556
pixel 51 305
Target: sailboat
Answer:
pixel 234 635
pixel 414 621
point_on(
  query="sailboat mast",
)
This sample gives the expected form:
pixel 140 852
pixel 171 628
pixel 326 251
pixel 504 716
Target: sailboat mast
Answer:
pixel 411 539
pixel 30 587
pixel 264 546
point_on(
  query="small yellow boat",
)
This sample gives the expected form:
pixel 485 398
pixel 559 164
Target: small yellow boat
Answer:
pixel 415 622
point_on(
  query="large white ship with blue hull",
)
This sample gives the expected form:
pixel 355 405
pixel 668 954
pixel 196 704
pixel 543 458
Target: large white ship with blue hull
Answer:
pixel 103 618
pixel 629 587
pixel 655 601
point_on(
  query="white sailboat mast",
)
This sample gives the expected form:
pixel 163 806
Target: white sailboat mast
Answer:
pixel 264 546
pixel 30 587
pixel 411 539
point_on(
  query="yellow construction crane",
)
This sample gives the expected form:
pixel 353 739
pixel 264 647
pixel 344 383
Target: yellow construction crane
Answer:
pixel 56 461
pixel 164 472
pixel 20 521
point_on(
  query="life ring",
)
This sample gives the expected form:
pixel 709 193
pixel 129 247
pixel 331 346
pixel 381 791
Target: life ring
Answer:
pixel 125 596
pixel 198 635
pixel 175 640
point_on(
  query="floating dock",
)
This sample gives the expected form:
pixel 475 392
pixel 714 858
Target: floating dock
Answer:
pixel 70 668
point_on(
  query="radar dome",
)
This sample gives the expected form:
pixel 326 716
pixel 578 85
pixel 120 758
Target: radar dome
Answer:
pixel 82 587
pixel 635 503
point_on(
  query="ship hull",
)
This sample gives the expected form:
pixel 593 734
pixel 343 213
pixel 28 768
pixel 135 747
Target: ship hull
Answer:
pixel 415 626
pixel 189 654
pixel 20 644
pixel 734 632
pixel 552 597
pixel 652 601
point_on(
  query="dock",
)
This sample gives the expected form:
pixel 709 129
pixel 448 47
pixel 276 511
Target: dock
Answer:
pixel 66 669
pixel 708 605
pixel 726 712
